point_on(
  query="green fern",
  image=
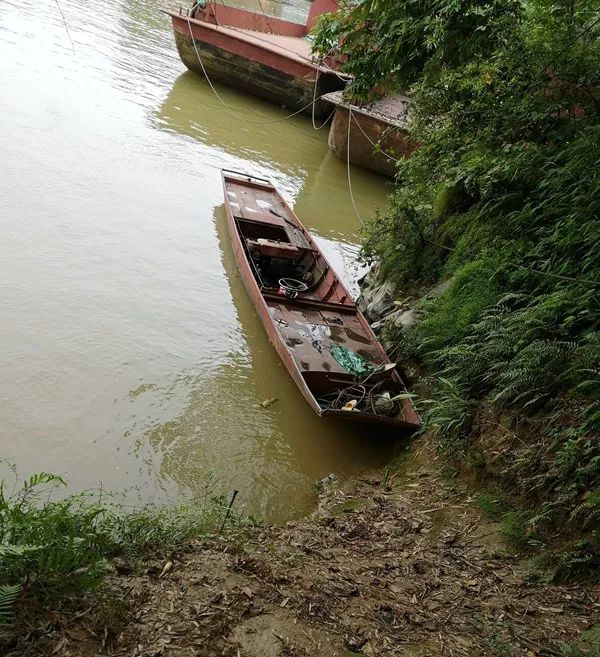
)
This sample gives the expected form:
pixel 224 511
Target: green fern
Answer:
pixel 588 512
pixel 8 597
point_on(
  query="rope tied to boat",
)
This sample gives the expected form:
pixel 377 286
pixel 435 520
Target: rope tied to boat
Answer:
pixel 348 169
pixel 238 114
pixel 376 399
pixel 376 146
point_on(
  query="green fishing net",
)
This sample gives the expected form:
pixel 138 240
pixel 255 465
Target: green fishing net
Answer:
pixel 351 361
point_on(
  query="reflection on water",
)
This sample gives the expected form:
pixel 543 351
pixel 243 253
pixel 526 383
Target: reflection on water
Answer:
pixel 272 455
pixel 129 352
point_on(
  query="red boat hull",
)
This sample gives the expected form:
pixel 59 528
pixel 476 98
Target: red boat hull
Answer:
pixel 340 303
pixel 276 67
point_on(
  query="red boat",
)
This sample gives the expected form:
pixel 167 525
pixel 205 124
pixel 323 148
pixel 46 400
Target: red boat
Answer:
pixel 322 338
pixel 263 55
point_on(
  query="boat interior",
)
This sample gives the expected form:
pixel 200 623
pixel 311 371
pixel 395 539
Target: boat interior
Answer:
pixel 221 14
pixel 280 36
pixel 284 259
pixel 333 348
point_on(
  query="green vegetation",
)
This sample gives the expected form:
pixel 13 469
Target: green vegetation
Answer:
pixel 591 642
pixel 54 550
pixel 502 198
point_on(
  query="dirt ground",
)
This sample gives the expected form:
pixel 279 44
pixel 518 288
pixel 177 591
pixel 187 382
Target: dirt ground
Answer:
pixel 398 565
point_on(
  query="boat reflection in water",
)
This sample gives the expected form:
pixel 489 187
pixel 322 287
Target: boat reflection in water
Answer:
pixel 291 153
pixel 272 455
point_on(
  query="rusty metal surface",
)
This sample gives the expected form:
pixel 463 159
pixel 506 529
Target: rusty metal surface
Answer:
pixel 305 328
pixel 286 46
pixel 367 129
pixel 309 334
pixel 222 14
pixel 391 111
pixel 253 66
pixel 263 207
pixel 257 42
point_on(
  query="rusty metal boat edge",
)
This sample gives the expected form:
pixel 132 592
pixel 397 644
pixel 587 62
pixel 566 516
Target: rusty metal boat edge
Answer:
pixel 374 135
pixel 409 419
pixel 262 55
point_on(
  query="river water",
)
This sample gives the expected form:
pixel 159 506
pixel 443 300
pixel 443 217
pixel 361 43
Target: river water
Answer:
pixel 130 356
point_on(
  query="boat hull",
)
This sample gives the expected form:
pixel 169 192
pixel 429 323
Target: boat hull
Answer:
pixel 344 304
pixel 254 69
pixel 365 131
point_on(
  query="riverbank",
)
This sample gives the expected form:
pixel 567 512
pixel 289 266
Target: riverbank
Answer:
pixel 400 562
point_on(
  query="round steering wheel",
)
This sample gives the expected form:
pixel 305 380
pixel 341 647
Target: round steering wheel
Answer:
pixel 292 285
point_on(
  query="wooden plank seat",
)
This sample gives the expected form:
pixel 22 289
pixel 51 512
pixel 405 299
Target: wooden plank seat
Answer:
pixel 261 218
pixel 274 249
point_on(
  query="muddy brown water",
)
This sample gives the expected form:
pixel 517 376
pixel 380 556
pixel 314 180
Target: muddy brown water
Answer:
pixel 130 355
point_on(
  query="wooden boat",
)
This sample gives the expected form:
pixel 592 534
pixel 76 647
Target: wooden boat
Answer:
pixel 378 132
pixel 322 338
pixel 263 55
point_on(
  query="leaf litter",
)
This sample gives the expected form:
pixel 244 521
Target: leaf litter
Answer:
pixel 383 567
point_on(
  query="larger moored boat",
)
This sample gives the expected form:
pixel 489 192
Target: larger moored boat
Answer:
pixel 263 55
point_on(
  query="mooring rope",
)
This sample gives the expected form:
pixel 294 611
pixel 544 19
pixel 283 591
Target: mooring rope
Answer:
pixel 64 20
pixel 315 102
pixel 348 169
pixel 236 113
pixel 373 143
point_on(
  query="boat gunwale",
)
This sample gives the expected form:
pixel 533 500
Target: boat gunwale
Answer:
pixel 336 98
pixel 256 41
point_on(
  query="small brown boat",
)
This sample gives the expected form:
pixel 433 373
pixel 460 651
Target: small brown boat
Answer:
pixel 322 338
pixel 262 55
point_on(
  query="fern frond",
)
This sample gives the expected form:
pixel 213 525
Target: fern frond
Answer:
pixel 8 597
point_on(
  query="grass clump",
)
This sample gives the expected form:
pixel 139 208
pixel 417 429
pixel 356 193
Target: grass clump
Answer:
pixel 516 526
pixel 493 503
pixel 54 551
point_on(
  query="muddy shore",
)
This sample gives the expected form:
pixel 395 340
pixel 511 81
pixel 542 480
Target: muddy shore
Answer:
pixel 400 562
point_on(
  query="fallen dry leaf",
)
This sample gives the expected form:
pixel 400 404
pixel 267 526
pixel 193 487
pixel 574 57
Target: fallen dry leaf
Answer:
pixel 166 568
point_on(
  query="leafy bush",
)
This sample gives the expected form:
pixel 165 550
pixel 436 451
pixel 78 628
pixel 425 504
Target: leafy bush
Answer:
pixel 502 197
pixel 390 43
pixel 55 549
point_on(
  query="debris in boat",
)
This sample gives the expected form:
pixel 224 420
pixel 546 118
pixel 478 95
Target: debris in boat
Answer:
pixel 365 397
pixel 384 403
pixel 351 361
pixel 268 402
